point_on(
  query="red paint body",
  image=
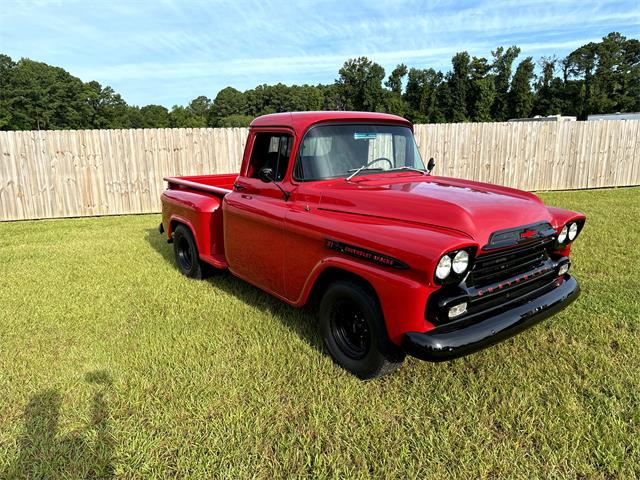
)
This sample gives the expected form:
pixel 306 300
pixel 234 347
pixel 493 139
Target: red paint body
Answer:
pixel 279 245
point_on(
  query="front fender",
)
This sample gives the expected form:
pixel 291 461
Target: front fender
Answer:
pixel 560 218
pixel 403 300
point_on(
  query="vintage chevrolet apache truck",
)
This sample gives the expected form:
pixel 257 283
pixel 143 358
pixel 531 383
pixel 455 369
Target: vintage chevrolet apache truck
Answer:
pixel 339 207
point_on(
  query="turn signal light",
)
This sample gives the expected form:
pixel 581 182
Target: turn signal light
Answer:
pixel 458 310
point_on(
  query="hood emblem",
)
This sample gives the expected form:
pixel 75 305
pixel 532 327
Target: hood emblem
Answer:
pixel 514 236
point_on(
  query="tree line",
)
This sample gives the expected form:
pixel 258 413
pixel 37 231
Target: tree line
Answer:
pixel 599 77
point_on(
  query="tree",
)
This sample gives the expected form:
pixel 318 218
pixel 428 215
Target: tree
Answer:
pixel 235 121
pixel 422 95
pixel 616 74
pixel 547 99
pixel 330 97
pixel 603 77
pixel 307 98
pixel 37 96
pixel 195 115
pixel 581 64
pixel 108 109
pixel 502 65
pixel 394 83
pixel 155 116
pixel 183 117
pixel 229 101
pixel 133 118
pixel 359 85
pixel 482 90
pixel 392 100
pixel 200 106
pixel 484 94
pixel 393 103
pixel 6 67
pixel 520 95
pixel 458 81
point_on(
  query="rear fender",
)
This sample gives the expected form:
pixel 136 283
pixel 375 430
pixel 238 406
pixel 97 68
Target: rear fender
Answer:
pixel 201 213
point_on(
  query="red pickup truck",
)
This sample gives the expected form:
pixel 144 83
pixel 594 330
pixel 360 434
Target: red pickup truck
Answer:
pixel 340 207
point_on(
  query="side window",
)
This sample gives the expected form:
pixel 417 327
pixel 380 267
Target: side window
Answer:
pixel 271 150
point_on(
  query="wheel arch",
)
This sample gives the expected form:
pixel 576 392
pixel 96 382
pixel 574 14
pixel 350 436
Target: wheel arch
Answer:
pixel 331 274
pixel 176 220
pixel 401 299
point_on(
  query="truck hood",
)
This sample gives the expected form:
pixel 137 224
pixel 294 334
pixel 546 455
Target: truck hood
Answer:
pixel 472 208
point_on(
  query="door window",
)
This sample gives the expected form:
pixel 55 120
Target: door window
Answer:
pixel 270 150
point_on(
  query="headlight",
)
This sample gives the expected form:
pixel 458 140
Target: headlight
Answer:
pixel 452 266
pixel 444 267
pixel 563 234
pixel 573 231
pixel 460 262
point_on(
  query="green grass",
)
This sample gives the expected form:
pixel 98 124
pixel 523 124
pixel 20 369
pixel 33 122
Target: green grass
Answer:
pixel 113 364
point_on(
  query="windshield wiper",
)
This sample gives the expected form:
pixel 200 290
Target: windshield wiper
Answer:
pixel 361 169
pixel 413 169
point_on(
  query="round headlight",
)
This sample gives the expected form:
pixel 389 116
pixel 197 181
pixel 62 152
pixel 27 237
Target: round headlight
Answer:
pixel 444 267
pixel 573 231
pixel 563 234
pixel 460 261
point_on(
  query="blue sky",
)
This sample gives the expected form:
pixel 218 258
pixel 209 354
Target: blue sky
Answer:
pixel 170 51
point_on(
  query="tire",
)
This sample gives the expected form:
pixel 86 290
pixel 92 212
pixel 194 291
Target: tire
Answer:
pixel 353 330
pixel 186 253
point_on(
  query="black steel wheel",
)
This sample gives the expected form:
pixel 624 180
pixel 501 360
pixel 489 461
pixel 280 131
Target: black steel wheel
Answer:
pixel 353 330
pixel 186 252
pixel 350 329
pixel 184 257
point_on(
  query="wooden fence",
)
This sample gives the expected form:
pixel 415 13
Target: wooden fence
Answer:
pixel 49 174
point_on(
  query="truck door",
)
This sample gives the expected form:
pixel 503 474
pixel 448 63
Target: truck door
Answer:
pixel 254 215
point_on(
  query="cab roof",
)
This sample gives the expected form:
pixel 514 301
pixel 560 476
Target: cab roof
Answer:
pixel 301 121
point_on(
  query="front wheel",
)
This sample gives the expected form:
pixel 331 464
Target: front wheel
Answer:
pixel 352 327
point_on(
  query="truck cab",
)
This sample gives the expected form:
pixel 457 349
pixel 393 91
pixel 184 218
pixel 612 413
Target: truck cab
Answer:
pixel 341 207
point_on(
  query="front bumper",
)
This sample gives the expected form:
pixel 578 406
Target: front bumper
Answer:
pixel 460 338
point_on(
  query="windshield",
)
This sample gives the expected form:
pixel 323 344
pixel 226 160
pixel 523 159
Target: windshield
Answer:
pixel 334 151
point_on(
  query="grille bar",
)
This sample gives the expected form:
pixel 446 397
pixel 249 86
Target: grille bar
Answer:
pixel 493 267
pixel 512 294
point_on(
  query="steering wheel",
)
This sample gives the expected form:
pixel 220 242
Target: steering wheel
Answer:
pixel 378 159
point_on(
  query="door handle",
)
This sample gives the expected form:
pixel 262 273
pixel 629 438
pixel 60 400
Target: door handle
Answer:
pixel 248 197
pixel 237 187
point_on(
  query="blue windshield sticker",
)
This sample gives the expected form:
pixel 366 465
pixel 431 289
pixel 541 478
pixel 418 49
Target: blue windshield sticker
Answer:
pixel 364 136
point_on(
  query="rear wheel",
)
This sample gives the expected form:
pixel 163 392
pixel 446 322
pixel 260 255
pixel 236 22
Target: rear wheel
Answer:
pixel 186 252
pixel 352 327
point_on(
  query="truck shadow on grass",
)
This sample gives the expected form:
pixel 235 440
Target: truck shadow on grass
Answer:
pixel 44 453
pixel 301 321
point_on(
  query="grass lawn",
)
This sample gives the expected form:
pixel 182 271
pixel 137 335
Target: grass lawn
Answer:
pixel 113 364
